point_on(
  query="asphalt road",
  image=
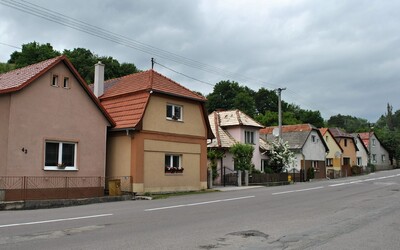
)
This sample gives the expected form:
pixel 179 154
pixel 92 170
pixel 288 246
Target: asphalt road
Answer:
pixel 351 213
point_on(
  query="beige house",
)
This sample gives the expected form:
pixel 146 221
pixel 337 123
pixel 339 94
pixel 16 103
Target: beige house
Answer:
pixel 51 125
pixel 160 137
pixel 349 146
pixel 334 156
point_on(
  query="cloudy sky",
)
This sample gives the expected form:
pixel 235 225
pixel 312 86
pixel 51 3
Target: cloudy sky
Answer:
pixel 333 56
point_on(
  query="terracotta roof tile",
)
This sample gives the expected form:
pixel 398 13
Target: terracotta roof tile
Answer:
pixel 127 111
pixel 16 79
pixel 147 80
pixel 235 118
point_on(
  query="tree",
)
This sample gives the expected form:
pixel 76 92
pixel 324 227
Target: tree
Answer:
pixel 83 60
pixel 266 100
pixel 223 96
pixel 279 156
pixel 32 53
pixel 350 124
pixel 213 155
pixel 245 103
pixel 5 67
pixel 242 154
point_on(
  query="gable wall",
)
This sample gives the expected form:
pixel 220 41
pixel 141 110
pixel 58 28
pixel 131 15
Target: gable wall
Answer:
pixel 335 152
pixel 314 150
pixel 4 124
pixel 41 111
pixel 349 150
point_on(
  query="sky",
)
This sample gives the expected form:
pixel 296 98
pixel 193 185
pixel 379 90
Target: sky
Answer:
pixel 335 56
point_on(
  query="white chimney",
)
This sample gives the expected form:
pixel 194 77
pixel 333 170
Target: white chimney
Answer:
pixel 98 79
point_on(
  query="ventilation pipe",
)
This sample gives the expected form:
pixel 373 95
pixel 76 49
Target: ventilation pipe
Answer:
pixel 98 79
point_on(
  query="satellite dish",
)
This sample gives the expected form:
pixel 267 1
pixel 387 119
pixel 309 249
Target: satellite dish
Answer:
pixel 337 154
pixel 275 132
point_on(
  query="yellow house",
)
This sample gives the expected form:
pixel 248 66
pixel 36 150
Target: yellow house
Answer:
pixel 348 144
pixel 161 132
pixel 334 156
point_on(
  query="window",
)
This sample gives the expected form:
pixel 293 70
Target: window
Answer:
pixel 359 161
pixel 373 142
pixel 374 158
pixel 313 138
pixel 60 155
pixel 264 165
pixel 173 164
pixel 329 162
pixel 66 83
pixel 346 161
pixel 326 138
pixel 345 142
pixel 383 158
pixel 249 137
pixel 174 112
pixel 54 81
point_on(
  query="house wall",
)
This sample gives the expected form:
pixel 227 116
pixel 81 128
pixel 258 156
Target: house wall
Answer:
pixel 349 151
pixel 193 120
pixel 238 134
pixel 41 111
pixel 148 162
pixel 335 152
pixel 362 152
pixel 379 150
pixel 4 125
pixel 314 150
pixel 118 155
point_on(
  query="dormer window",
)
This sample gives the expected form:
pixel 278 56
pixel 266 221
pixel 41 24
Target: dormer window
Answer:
pixel 174 112
pixel 54 81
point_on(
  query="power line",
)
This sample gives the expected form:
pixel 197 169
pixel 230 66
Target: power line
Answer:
pixel 9 45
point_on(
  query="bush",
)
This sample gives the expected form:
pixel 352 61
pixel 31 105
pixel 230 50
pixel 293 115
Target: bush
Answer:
pixel 310 173
pixel 371 167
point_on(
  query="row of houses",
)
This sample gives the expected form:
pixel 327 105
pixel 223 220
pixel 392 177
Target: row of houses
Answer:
pixel 331 152
pixel 143 126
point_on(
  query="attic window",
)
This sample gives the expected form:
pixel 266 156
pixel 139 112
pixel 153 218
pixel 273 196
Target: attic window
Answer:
pixel 174 112
pixel 54 81
pixel 313 138
pixel 66 83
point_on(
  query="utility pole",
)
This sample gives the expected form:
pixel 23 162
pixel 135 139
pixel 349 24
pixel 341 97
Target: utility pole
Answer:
pixel 279 91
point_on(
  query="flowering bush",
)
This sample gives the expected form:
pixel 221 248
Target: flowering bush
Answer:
pixel 169 169
pixel 279 156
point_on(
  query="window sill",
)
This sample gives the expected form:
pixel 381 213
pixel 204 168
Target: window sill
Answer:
pixel 173 174
pixel 174 120
pixel 68 169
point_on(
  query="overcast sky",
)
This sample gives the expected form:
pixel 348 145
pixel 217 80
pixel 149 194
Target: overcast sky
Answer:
pixel 332 56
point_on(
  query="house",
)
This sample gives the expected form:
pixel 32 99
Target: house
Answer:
pixel 307 144
pixel 379 156
pixel 51 125
pixel 161 132
pixel 362 153
pixel 349 146
pixel 231 127
pixel 334 156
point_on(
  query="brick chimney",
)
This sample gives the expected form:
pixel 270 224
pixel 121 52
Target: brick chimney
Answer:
pixel 98 79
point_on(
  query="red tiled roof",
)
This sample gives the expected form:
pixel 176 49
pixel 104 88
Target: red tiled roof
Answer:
pixel 127 110
pixel 17 79
pixel 147 80
pixel 337 132
pixel 288 128
pixel 365 137
pixel 323 130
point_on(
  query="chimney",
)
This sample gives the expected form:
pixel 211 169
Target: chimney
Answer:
pixel 98 79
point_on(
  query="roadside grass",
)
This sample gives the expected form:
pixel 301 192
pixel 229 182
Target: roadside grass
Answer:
pixel 156 196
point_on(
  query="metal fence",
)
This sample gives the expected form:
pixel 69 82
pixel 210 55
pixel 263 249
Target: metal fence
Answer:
pixel 14 188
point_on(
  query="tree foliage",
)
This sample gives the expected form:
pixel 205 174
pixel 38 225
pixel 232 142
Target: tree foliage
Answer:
pixel 82 59
pixel 242 154
pixel 350 124
pixel 279 156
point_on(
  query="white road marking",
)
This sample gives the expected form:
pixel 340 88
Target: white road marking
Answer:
pixel 55 220
pixel 199 203
pixel 297 190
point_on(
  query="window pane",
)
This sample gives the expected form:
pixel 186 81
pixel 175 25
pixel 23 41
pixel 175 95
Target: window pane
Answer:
pixel 51 154
pixel 168 161
pixel 176 161
pixel 66 82
pixel 169 111
pixel 177 112
pixel 68 154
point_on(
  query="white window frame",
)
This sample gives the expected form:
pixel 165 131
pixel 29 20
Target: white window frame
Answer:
pixel 373 142
pixel 329 162
pixel 60 165
pixel 54 80
pixel 359 161
pixel 171 161
pixel 249 137
pixel 374 158
pixel 173 116
pixel 66 83
pixel 383 158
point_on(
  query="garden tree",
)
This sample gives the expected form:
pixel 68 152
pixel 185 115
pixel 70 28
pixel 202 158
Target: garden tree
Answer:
pixel 223 96
pixel 242 154
pixel 5 67
pixel 266 100
pixel 279 156
pixel 214 155
pixel 350 124
pixel 32 53
pixel 83 60
pixel 311 117
pixel 271 119
pixel 245 102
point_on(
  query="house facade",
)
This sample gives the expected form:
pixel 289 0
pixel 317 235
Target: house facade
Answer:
pixel 306 142
pixel 334 156
pixel 51 123
pixel 349 146
pixel 379 156
pixel 160 137
pixel 231 127
pixel 362 153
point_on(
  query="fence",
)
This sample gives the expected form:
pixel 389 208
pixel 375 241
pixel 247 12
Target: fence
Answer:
pixel 14 188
